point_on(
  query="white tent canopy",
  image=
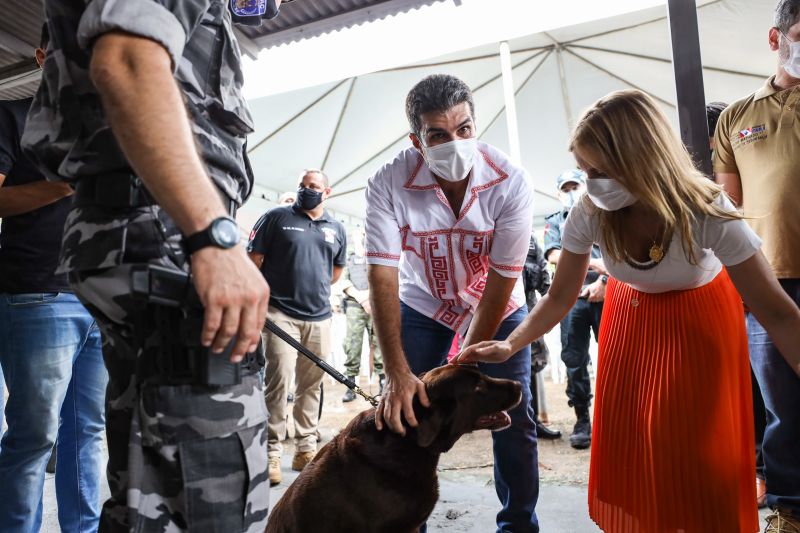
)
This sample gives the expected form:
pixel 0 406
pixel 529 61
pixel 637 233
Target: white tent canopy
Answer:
pixel 350 127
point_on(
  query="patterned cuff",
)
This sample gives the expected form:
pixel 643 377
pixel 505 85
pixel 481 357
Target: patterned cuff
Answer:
pixel 383 258
pixel 507 271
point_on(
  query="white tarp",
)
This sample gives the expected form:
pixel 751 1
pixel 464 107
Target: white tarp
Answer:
pixel 351 126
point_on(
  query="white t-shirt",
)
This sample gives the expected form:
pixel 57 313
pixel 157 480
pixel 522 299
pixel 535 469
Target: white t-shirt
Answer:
pixel 717 242
pixel 444 260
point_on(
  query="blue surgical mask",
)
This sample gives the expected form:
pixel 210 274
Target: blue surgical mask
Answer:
pixel 308 199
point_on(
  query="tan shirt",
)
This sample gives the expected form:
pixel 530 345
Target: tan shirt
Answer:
pixel 758 137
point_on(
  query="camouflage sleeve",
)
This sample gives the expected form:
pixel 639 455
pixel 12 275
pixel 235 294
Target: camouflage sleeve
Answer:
pixel 543 284
pixel 167 22
pixel 346 281
pixel 8 154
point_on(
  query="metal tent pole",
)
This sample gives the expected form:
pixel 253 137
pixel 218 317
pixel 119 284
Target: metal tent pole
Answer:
pixel 510 103
pixel 688 66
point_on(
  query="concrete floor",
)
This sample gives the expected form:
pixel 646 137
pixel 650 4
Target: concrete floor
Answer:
pixel 467 504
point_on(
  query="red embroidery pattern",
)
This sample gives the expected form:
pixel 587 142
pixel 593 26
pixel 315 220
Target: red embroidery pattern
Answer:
pixel 452 265
pixel 510 308
pixel 474 257
pixel 475 289
pixel 408 246
pixel 410 183
pixel 461 320
pixel 447 316
pixel 384 255
pixel 475 190
pixel 507 268
pixel 439 272
pixel 501 176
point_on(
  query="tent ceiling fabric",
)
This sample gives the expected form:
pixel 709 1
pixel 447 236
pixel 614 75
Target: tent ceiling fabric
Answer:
pixel 20 27
pixel 632 50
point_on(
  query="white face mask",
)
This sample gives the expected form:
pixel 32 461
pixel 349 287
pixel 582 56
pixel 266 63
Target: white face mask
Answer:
pixel 568 199
pixel 452 161
pixel 792 63
pixel 609 194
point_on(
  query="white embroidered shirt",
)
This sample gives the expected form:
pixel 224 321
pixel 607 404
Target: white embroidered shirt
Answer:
pixel 444 260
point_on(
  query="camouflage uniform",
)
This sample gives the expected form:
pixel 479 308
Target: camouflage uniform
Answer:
pixel 181 457
pixel 358 320
pixel 536 277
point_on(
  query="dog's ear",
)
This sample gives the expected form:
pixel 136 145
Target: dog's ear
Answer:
pixel 430 425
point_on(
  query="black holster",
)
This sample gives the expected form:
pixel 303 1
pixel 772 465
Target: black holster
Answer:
pixel 174 355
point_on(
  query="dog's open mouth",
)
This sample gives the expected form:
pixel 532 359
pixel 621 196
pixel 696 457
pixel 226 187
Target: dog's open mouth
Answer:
pixel 495 422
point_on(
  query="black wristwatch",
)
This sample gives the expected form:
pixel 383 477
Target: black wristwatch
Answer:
pixel 604 279
pixel 223 232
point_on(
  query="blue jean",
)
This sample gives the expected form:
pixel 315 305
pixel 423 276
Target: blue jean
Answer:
pixel 2 401
pixel 780 387
pixel 51 356
pixel 516 467
pixel 581 321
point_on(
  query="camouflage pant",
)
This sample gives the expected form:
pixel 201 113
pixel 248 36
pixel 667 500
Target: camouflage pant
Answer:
pixel 181 457
pixel 358 321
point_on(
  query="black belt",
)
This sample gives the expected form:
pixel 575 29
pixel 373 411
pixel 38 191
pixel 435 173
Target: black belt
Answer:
pixel 122 191
pixel 118 191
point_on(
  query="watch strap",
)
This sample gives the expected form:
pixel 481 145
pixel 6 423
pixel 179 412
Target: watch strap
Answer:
pixel 198 241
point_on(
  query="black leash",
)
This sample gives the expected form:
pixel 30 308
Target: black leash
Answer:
pixel 328 369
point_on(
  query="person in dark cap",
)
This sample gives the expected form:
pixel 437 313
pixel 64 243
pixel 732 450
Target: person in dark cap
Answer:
pixel 584 318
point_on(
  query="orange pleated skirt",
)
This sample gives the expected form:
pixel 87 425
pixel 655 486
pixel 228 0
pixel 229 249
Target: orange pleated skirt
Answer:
pixel 673 446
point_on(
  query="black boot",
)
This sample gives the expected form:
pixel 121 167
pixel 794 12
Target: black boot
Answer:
pixel 545 433
pixel 349 396
pixel 581 437
pixel 381 383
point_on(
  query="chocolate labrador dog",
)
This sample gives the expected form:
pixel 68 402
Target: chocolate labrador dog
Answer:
pixel 371 481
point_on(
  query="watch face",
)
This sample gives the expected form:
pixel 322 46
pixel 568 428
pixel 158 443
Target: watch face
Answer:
pixel 225 232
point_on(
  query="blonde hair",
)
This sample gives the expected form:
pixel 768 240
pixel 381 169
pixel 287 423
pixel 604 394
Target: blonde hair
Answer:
pixel 632 141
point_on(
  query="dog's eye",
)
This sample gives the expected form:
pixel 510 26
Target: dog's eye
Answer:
pixel 480 387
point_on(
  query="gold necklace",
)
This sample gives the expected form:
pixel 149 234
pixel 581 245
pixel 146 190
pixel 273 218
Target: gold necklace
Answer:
pixel 656 252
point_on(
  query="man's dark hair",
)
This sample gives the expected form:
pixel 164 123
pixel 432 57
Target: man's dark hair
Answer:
pixel 713 111
pixel 787 12
pixel 44 40
pixel 438 92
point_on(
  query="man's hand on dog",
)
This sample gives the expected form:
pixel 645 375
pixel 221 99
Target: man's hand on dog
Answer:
pixel 397 402
pixel 484 352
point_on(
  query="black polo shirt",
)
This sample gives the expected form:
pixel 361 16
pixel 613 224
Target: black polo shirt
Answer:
pixel 30 242
pixel 299 256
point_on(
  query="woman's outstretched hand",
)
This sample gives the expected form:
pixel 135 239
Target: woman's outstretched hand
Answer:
pixel 484 352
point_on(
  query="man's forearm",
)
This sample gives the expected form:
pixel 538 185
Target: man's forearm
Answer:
pixel 145 109
pixel 385 303
pixel 491 308
pixel 19 199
